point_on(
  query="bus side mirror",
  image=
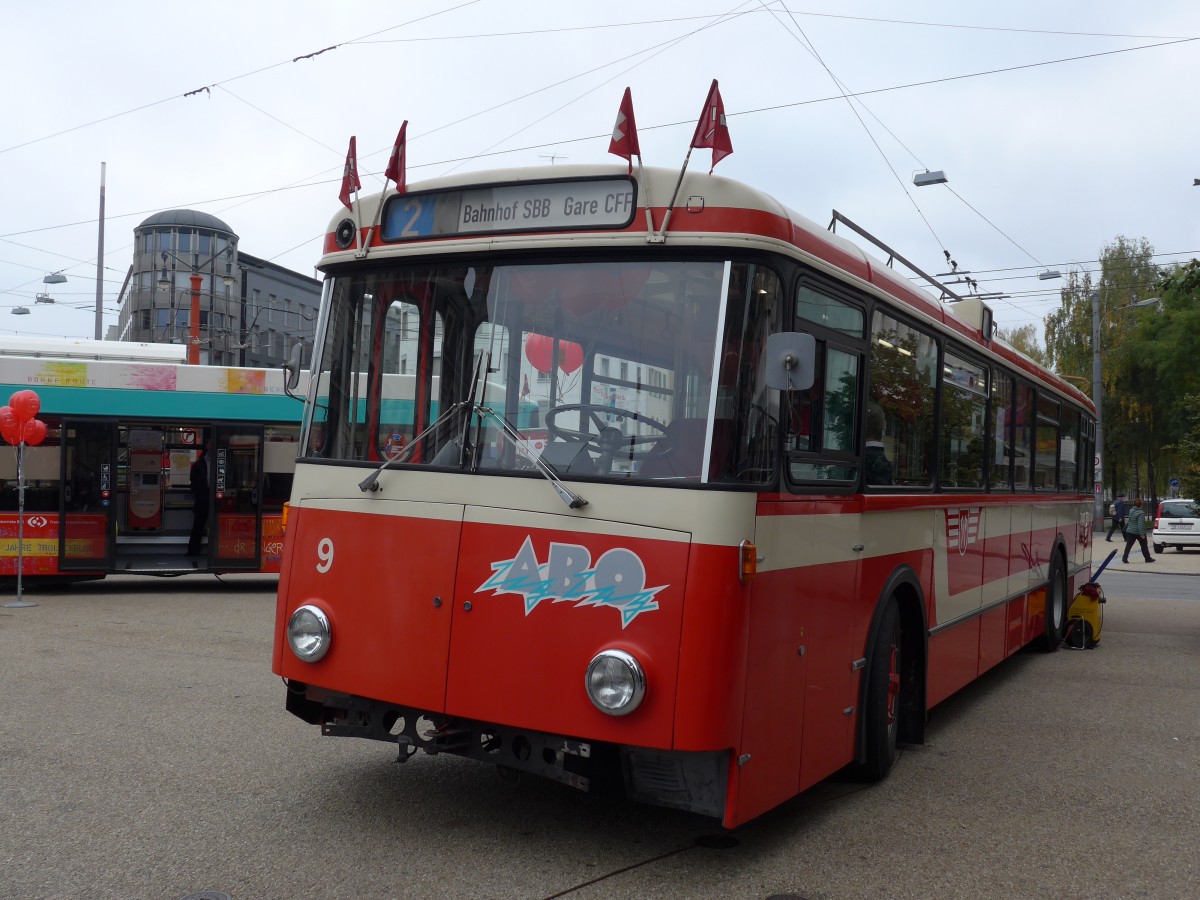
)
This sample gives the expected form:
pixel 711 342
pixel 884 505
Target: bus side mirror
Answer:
pixel 292 367
pixel 791 360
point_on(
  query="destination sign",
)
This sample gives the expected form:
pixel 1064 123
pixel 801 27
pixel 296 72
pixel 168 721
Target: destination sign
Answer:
pixel 533 206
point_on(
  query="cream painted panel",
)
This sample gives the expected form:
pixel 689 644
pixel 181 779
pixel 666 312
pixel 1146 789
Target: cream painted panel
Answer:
pixel 900 531
pixel 1045 519
pixel 718 518
pixel 785 542
pixel 1019 550
pixel 997 525
pixel 1075 522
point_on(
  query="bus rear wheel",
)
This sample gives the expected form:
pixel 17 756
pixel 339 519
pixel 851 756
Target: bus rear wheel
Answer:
pixel 881 712
pixel 1056 606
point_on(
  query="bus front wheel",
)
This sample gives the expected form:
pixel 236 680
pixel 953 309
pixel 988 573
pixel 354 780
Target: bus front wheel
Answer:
pixel 882 706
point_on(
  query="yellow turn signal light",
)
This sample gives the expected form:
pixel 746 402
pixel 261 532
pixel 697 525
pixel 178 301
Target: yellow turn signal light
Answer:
pixel 748 563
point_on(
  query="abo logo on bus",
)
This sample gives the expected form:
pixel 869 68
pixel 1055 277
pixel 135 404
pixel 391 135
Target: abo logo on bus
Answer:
pixel 617 580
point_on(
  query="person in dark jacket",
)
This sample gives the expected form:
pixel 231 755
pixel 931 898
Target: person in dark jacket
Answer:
pixel 199 478
pixel 1118 519
pixel 1135 531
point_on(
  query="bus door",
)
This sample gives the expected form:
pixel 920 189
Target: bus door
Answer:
pixel 87 506
pixel 236 483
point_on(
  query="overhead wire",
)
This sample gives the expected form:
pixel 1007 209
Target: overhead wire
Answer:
pixel 658 50
pixel 808 45
pixel 844 95
pixel 257 71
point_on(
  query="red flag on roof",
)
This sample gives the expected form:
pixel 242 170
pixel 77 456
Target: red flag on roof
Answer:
pixel 350 180
pixel 711 130
pixel 624 141
pixel 395 166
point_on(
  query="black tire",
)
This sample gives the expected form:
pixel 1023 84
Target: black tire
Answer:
pixel 881 709
pixel 1159 548
pixel 1057 606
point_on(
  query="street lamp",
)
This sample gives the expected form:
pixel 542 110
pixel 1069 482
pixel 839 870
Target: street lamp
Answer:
pixel 923 179
pixel 1098 391
pixel 196 279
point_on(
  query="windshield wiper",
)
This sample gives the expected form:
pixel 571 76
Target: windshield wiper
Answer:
pixel 569 497
pixel 371 482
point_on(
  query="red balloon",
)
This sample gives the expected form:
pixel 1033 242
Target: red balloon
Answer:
pixel 34 432
pixel 25 404
pixel 539 350
pixel 570 356
pixel 8 418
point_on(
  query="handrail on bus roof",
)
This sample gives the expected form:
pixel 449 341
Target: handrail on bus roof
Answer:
pixel 892 254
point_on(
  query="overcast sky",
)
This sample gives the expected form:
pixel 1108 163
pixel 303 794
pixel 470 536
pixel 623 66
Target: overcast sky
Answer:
pixel 1059 125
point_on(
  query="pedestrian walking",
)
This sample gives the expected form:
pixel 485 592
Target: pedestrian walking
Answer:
pixel 1118 517
pixel 1135 530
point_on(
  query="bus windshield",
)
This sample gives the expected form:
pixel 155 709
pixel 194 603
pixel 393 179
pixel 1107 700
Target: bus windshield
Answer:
pixel 628 370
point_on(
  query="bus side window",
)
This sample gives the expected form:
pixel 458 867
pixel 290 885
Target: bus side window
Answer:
pixel 799 405
pixel 822 427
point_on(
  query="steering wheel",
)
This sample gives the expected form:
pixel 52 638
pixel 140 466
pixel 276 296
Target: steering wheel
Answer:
pixel 610 442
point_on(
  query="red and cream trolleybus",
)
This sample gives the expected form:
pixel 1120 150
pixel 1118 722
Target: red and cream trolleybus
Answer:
pixel 719 509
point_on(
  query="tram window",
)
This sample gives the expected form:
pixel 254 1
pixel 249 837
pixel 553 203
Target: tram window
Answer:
pixel 398 348
pixel 1023 423
pixel 828 312
pixel 1047 444
pixel 903 376
pixel 1069 443
pixel 747 408
pixel 823 419
pixel 1000 470
pixel 41 473
pixel 964 420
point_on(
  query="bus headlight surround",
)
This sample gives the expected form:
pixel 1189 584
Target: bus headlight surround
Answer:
pixel 615 682
pixel 308 633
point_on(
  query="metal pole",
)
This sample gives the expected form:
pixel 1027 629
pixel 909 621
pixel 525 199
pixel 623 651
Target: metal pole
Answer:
pixel 20 602
pixel 194 342
pixel 100 264
pixel 1098 400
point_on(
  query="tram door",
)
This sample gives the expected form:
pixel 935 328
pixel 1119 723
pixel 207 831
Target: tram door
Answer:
pixel 235 526
pixel 87 537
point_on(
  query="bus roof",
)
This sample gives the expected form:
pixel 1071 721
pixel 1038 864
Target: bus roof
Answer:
pixel 86 348
pixel 705 205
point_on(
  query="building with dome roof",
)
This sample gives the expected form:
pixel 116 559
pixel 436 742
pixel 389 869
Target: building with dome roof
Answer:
pixel 251 311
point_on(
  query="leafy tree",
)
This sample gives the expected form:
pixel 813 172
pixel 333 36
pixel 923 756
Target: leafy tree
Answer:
pixel 1188 450
pixel 1165 378
pixel 1127 275
pixel 1025 339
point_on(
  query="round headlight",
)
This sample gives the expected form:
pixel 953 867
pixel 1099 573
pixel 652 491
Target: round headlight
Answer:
pixel 308 633
pixel 615 682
